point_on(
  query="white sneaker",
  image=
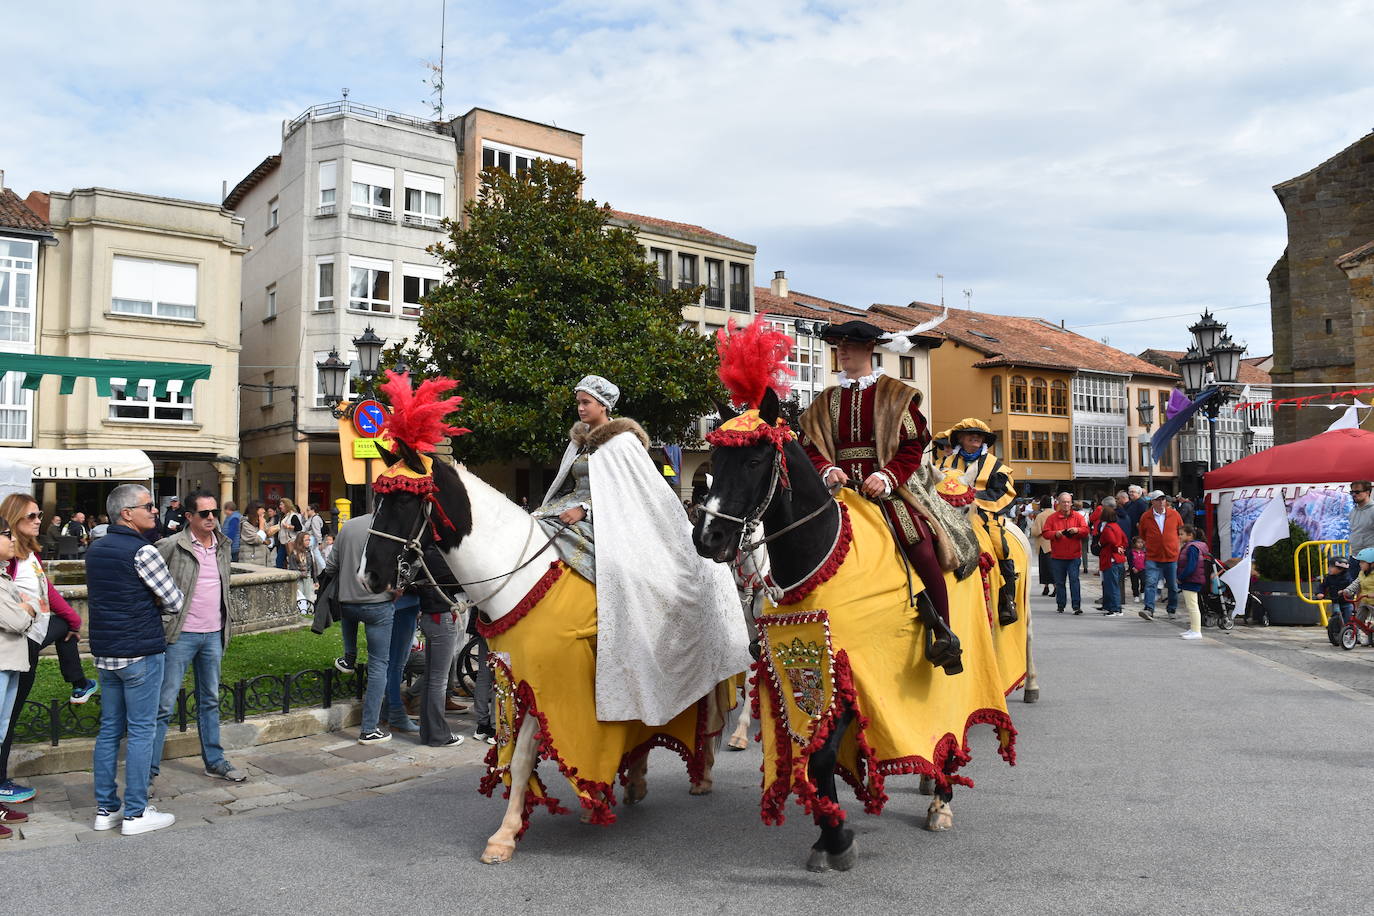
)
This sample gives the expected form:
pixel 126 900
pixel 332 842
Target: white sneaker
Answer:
pixel 1190 634
pixel 151 819
pixel 105 819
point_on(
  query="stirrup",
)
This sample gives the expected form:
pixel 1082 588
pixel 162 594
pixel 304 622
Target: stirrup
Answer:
pixel 1006 610
pixel 944 653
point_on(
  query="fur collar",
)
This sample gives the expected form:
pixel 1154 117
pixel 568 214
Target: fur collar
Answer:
pixel 583 437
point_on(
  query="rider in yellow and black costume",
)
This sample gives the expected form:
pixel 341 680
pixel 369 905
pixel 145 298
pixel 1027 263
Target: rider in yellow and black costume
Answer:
pixel 995 490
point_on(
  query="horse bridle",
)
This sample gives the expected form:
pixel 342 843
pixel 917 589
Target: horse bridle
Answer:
pixel 752 520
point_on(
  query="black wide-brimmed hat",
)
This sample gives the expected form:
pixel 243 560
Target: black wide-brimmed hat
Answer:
pixel 854 331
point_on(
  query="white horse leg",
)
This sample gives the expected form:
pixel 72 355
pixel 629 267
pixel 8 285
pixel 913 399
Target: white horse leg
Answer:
pixel 501 845
pixel 739 738
pixel 1032 691
pixel 714 714
pixel 939 816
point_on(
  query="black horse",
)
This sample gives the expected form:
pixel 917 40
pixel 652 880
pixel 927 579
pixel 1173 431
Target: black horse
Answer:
pixel 802 528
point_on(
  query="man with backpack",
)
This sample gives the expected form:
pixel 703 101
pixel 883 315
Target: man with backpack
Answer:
pixel 1194 574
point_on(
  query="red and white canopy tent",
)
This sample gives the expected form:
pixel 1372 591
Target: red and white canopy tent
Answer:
pixel 1329 461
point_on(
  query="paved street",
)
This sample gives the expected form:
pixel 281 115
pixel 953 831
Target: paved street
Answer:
pixel 1155 776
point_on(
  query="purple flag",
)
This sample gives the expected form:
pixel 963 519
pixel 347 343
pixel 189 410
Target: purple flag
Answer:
pixel 1177 401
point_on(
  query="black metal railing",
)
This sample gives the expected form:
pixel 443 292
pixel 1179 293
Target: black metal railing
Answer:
pixel 264 694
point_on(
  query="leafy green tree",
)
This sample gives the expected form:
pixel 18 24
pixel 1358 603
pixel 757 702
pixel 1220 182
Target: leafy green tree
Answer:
pixel 539 292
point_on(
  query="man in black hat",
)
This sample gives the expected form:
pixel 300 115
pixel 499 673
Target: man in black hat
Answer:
pixel 868 432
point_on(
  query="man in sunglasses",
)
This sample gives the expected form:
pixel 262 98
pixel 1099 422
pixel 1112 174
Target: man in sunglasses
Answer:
pixel 198 558
pixel 1361 517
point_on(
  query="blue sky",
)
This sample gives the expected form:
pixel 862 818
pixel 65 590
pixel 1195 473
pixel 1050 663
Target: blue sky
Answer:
pixel 1104 163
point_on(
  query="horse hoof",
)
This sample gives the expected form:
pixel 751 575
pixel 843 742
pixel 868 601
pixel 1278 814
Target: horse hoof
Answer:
pixel 738 744
pixel 635 792
pixel 939 816
pixel 927 786
pixel 701 788
pixel 586 816
pixel 817 861
pixel 844 861
pixel 1032 695
pixel 496 854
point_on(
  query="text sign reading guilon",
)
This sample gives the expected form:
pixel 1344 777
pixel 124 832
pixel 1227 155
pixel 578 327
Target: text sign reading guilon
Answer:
pixel 368 418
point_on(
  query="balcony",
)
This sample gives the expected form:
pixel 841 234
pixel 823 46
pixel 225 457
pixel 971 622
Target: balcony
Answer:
pixel 417 221
pixel 368 112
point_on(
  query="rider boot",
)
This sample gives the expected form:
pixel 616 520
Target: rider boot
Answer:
pixel 1006 596
pixel 942 646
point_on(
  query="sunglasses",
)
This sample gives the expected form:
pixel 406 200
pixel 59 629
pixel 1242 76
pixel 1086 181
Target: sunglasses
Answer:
pixel 6 533
pixel 151 507
pixel 206 513
pixel 33 516
pixel 1352 493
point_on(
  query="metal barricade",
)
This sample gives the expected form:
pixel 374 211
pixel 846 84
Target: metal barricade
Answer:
pixel 1309 566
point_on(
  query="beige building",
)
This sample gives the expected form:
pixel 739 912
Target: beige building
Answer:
pixel 147 279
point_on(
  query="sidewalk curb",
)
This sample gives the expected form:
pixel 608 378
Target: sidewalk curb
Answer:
pixel 75 755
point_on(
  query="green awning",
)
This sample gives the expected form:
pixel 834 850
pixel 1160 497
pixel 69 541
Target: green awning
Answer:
pixel 70 368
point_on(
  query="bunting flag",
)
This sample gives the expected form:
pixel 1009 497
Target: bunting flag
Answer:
pixel 1348 420
pixel 1270 528
pixel 1308 399
pixel 1159 442
pixel 1177 401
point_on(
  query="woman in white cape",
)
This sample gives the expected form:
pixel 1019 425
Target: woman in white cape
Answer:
pixel 669 626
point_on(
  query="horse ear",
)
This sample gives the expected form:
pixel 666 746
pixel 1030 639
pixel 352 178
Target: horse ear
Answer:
pixel 724 410
pixel 388 457
pixel 410 457
pixel 769 407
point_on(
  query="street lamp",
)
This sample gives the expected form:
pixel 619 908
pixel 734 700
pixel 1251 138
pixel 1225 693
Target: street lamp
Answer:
pixel 1146 411
pixel 334 371
pixel 1206 333
pixel 369 347
pixel 1212 348
pixel 1193 368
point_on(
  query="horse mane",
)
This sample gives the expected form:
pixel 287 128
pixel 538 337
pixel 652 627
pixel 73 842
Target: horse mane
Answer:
pixel 451 499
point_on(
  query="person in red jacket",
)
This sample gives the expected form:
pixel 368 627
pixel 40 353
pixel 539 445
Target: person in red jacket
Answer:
pixel 1066 530
pixel 1111 554
pixel 1160 527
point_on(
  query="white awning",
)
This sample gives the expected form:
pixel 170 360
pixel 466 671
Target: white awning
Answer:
pixel 82 464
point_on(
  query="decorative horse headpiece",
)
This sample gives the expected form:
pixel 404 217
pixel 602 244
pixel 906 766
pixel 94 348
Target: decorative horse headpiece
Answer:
pixel 753 359
pixel 416 424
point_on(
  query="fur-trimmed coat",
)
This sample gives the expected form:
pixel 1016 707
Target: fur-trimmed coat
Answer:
pixel 581 436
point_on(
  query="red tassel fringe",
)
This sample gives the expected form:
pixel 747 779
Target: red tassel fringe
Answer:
pixel 527 603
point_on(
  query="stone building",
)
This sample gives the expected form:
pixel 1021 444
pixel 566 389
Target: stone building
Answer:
pixel 1318 290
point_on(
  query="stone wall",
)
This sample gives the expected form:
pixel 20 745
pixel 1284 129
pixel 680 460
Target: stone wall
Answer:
pixel 1330 212
pixel 259 598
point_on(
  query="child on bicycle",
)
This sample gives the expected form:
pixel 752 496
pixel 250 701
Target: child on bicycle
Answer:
pixel 1339 577
pixel 1361 591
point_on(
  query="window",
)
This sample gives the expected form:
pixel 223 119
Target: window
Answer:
pixel 663 260
pixel 153 289
pixel 271 302
pixel 372 185
pixel 906 367
pixel 877 360
pixel 324 284
pixel 1040 446
pixel 268 394
pixel 1100 445
pixel 834 360
pixel 514 160
pixel 1059 399
pixel 15 404
pixel 1040 396
pixel 686 271
pixel 424 200
pixel 715 284
pixel 416 282
pixel 273 215
pixel 369 285
pixel 1099 394
pixel 1166 460
pixel 1060 446
pixel 133 400
pixel 17 257
pixel 1144 456
pixel 328 171
pixel 355 370
pixel 1020 445
pixel 1018 394
pixel 739 287
pixel 997 394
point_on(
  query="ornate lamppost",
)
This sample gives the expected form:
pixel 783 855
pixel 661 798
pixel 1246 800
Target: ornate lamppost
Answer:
pixel 1146 411
pixel 1213 349
pixel 334 383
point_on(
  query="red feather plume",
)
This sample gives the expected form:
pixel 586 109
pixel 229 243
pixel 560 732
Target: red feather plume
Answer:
pixel 417 414
pixel 752 359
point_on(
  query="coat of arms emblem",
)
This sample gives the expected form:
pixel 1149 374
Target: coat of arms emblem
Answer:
pixel 803 663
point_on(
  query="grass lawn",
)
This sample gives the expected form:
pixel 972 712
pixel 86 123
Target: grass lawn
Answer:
pixel 247 656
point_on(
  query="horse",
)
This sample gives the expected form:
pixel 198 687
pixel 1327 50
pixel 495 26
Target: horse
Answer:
pixel 540 625
pixel 842 684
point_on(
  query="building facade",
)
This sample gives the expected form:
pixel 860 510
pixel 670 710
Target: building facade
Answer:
pixel 143 278
pixel 1323 327
pixel 25 239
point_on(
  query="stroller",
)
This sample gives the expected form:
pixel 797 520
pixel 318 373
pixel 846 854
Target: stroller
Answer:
pixel 1216 602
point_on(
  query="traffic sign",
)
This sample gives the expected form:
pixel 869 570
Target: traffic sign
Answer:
pixel 368 417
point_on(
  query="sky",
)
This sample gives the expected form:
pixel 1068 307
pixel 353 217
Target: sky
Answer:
pixel 1105 164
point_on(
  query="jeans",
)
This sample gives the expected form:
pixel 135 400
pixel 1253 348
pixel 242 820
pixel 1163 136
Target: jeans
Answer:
pixel 205 651
pixel 376 620
pixel 1111 587
pixel 69 663
pixel 348 630
pixel 481 691
pixel 128 709
pixel 9 688
pixel 402 636
pixel 1153 571
pixel 1066 569
pixel 441 641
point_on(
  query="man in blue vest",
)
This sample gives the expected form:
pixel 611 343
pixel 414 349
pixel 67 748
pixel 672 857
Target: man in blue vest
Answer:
pixel 130 592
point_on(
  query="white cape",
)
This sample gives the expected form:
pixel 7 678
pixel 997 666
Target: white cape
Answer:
pixel 669 624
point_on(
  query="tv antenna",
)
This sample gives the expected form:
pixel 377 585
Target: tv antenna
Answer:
pixel 968 299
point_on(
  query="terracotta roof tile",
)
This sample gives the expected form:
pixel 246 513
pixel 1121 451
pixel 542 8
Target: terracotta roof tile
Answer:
pixel 1013 340
pixel 14 215
pixel 804 305
pixel 649 222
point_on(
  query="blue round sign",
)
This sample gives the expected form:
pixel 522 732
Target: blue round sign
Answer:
pixel 368 418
